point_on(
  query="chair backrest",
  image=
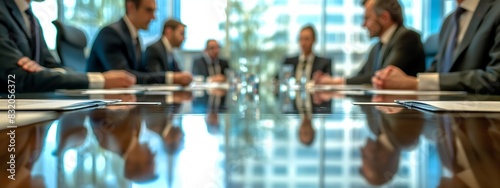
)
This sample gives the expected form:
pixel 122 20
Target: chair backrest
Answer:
pixel 431 49
pixel 70 46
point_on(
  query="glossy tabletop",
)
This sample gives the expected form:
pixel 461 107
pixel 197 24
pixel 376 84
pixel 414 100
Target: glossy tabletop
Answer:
pixel 258 138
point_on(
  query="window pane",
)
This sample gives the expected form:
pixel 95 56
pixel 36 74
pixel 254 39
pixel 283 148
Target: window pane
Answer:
pixel 46 12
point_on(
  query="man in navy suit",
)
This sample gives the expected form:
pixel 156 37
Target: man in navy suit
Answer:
pixel 468 58
pixel 398 46
pixel 118 47
pixel 210 65
pixel 26 57
pixel 159 56
pixel 307 62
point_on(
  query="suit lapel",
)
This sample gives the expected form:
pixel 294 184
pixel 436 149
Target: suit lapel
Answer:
pixel 475 22
pixel 204 66
pixel 128 41
pixel 388 47
pixel 16 14
pixel 163 52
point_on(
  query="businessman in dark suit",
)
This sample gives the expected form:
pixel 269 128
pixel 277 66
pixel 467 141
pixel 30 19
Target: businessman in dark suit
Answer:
pixel 118 47
pixel 26 57
pixel 307 62
pixel 210 65
pixel 468 58
pixel 159 56
pixel 398 46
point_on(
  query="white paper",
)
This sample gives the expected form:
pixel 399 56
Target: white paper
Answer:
pixel 26 118
pixel 50 104
pixel 111 91
pixel 463 106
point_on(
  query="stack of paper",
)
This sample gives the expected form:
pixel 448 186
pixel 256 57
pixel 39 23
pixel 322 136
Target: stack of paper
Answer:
pixel 454 106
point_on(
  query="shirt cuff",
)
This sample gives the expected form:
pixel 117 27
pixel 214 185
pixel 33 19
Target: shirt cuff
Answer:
pixel 61 70
pixel 428 81
pixel 96 80
pixel 169 99
pixel 169 77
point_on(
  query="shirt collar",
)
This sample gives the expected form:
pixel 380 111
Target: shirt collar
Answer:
pixel 22 5
pixel 470 5
pixel 131 28
pixel 207 58
pixel 387 35
pixel 309 58
pixel 167 44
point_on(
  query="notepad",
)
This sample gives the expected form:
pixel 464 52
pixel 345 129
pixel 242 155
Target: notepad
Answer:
pixel 453 106
pixel 341 87
pixel 23 118
pixel 50 104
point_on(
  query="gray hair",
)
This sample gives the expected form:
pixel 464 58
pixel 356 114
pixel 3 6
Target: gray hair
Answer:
pixel 391 6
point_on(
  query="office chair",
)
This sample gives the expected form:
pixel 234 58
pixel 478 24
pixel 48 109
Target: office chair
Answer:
pixel 70 46
pixel 430 49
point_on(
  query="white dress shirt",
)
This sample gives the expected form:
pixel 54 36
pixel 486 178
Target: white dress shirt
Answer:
pixel 430 81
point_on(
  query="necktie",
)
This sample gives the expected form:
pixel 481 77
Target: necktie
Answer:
pixel 302 70
pixel 452 41
pixel 35 36
pixel 172 66
pixel 378 56
pixel 138 52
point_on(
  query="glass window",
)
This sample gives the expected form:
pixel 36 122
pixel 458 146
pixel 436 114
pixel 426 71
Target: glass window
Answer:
pixel 46 12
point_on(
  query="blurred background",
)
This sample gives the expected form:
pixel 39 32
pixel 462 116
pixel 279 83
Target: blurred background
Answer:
pixel 263 32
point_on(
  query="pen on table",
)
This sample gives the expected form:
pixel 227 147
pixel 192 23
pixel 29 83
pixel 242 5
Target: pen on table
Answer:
pixel 135 103
pixel 376 103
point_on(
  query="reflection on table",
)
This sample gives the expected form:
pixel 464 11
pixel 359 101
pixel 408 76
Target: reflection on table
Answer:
pixel 234 138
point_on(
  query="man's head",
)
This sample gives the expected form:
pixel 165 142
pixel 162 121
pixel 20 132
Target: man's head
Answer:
pixel 140 12
pixel 174 31
pixel 140 164
pixel 379 164
pixel 212 48
pixel 380 15
pixel 306 131
pixel 307 38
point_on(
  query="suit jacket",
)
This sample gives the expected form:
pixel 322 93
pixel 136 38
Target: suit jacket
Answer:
pixel 319 64
pixel 404 50
pixel 114 49
pixel 156 59
pixel 15 43
pixel 476 63
pixel 200 66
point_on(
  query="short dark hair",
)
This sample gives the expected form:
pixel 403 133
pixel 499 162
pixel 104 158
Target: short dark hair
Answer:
pixel 309 27
pixel 208 41
pixel 391 6
pixel 172 24
pixel 136 3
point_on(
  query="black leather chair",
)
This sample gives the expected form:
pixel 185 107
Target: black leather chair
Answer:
pixel 70 45
pixel 430 49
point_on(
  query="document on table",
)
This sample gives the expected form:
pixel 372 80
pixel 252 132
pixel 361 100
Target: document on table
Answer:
pixel 453 106
pixel 23 118
pixel 413 92
pixel 100 91
pixel 50 104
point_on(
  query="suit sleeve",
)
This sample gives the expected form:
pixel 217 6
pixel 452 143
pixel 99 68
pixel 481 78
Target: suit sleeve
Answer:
pixel 31 82
pixel 364 75
pixel 328 66
pixel 109 48
pixel 478 80
pixel 151 61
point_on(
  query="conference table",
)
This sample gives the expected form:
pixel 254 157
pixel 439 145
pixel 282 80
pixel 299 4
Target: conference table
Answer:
pixel 262 137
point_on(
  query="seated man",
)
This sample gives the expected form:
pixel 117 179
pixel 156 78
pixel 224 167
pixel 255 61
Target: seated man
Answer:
pixel 398 46
pixel 117 46
pixel 467 60
pixel 210 66
pixel 307 62
pixel 159 56
pixel 28 66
